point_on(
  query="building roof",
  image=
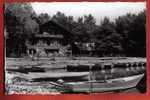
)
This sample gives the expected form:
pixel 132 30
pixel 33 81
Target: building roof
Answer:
pixel 55 26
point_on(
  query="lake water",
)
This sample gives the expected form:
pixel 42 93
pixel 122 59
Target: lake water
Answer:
pixel 58 67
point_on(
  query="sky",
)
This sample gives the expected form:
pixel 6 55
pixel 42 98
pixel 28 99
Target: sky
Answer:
pixel 98 9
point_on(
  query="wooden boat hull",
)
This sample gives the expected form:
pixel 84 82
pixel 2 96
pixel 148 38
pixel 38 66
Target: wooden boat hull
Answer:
pixel 66 76
pixel 108 85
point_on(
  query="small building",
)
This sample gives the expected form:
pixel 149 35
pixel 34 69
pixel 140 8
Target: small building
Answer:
pixel 86 48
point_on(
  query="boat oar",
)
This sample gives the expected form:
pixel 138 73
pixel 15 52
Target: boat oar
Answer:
pixel 56 84
pixel 60 85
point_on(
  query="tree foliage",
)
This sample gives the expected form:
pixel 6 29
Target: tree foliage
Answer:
pixel 20 25
pixel 19 19
pixel 132 28
pixel 43 18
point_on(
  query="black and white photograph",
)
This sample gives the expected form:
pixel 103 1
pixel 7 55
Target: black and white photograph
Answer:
pixel 75 47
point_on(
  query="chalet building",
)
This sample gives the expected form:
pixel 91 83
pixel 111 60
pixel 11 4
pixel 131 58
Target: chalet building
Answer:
pixel 53 40
pixel 56 40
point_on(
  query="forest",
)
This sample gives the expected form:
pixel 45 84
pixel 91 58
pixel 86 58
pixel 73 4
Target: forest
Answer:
pixel 123 36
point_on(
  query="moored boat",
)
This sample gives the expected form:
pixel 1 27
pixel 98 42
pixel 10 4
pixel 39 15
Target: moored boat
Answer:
pixel 65 76
pixel 104 85
pixel 127 63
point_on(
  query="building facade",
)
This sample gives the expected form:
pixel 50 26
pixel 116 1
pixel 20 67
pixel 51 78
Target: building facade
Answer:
pixel 53 40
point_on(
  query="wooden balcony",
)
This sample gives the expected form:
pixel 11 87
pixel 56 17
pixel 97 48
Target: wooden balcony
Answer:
pixel 42 47
pixel 48 36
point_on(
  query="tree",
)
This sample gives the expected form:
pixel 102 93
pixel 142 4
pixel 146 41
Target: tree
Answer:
pixel 61 18
pixel 90 25
pixel 138 34
pixel 17 15
pixel 20 25
pixel 66 21
pixel 107 39
pixel 132 28
pixel 80 31
pixel 84 28
pixel 43 18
